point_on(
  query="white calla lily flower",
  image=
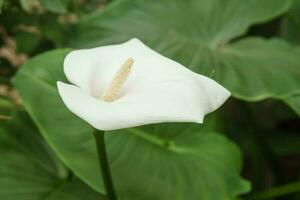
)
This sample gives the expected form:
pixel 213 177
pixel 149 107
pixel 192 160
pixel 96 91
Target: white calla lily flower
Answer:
pixel 129 84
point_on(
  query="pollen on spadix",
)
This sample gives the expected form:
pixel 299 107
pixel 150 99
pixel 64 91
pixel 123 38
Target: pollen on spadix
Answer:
pixel 113 90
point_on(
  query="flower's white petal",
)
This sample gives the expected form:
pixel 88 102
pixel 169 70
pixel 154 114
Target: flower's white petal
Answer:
pixel 177 100
pixel 157 90
pixel 185 98
pixel 215 94
pixel 97 113
pixel 93 69
pixel 127 112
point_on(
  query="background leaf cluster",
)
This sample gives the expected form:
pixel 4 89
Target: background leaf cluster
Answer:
pixel 252 47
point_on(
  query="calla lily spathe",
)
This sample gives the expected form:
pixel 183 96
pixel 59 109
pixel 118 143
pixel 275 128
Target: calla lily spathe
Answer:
pixel 151 88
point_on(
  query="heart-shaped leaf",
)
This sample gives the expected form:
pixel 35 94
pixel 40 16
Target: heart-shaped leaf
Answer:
pixel 174 161
pixel 28 168
pixel 198 33
pixel 156 162
pixel 68 135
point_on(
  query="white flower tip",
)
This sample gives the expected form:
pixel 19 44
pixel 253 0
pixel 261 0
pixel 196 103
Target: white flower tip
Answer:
pixel 134 40
pixel 218 97
pixel 113 90
pixel 58 84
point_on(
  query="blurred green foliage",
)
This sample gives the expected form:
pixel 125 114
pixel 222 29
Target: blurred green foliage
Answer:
pixel 30 170
pixel 252 46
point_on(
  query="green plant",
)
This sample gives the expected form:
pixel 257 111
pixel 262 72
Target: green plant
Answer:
pixel 251 47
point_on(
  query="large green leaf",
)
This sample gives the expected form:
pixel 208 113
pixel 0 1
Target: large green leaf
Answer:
pixel 156 162
pixel 209 23
pixel 198 33
pixel 28 168
pixel 174 161
pixel 69 137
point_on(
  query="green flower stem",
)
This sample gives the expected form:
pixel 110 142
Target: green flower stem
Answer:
pixel 104 166
pixel 277 191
